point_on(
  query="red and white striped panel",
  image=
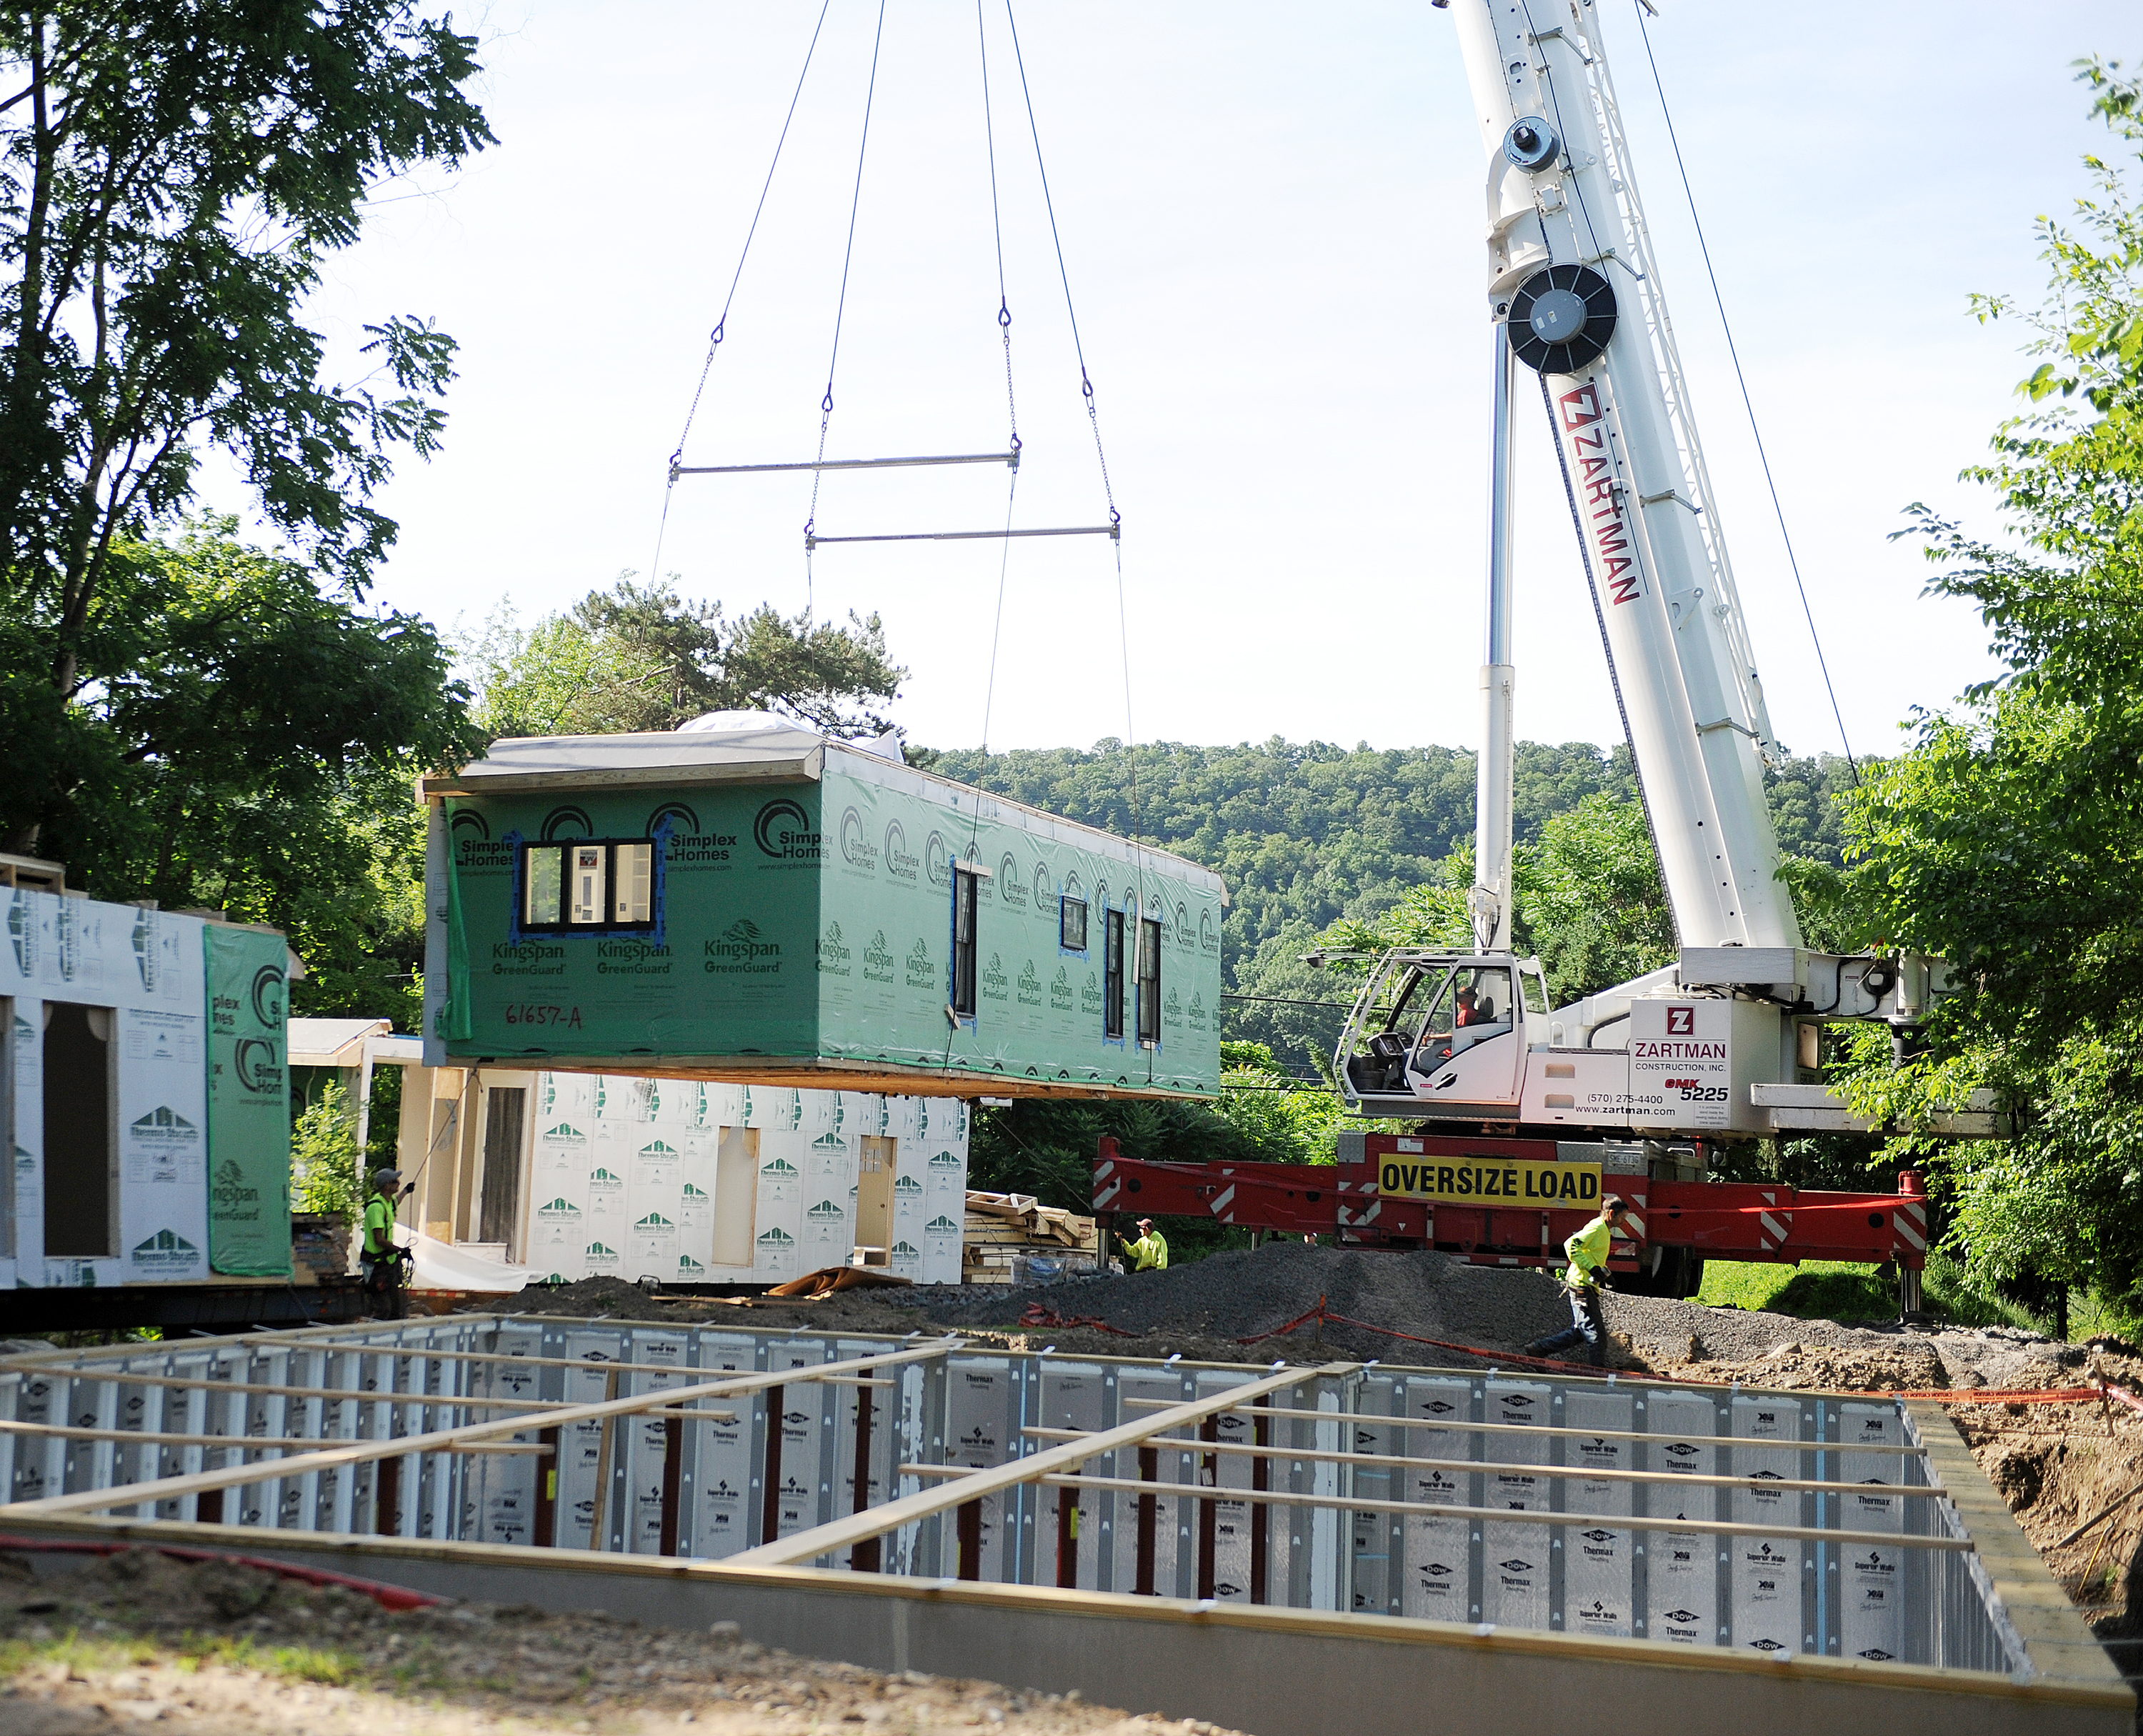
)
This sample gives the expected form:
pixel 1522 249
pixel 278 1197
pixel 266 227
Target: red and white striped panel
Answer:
pixel 1107 1185
pixel 1910 1218
pixel 1223 1205
pixel 1774 1224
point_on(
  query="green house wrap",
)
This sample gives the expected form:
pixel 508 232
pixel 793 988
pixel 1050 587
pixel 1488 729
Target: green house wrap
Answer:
pixel 757 902
pixel 249 1102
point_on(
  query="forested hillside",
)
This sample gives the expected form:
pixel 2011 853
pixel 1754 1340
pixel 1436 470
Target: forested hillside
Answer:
pixel 1309 834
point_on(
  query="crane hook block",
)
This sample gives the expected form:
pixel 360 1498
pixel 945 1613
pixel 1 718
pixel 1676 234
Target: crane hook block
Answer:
pixel 1562 319
pixel 1530 144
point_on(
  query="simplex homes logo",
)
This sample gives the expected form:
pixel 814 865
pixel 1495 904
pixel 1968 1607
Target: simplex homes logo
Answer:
pixel 921 972
pixel 878 959
pixel 163 1126
pixel 899 862
pixel 833 952
pixel 1010 887
pixel 857 850
pixel 741 950
pixel 937 859
pixel 1209 934
pixel 166 1251
pixel 783 831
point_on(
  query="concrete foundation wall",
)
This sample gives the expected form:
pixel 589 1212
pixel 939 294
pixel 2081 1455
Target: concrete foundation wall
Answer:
pixel 1272 1672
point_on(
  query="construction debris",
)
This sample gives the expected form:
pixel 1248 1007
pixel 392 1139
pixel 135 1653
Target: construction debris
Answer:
pixel 1014 1239
pixel 827 1279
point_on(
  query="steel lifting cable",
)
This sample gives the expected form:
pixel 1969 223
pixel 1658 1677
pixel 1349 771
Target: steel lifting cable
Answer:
pixel 840 306
pixel 1012 404
pixel 1100 456
pixel 715 337
pixel 1763 458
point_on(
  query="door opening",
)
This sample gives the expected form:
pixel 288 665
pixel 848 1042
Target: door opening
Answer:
pixel 505 1109
pixel 736 1196
pixel 80 1153
pixel 874 1173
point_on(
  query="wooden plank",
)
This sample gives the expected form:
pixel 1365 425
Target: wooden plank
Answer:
pixel 842 1533
pixel 171 1488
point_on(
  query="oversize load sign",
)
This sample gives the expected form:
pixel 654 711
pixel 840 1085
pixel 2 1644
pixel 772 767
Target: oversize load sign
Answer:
pixel 1474 1180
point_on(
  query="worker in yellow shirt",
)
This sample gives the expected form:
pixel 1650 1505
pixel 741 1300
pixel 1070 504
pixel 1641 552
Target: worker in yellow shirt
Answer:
pixel 1583 1279
pixel 1150 1252
pixel 384 1264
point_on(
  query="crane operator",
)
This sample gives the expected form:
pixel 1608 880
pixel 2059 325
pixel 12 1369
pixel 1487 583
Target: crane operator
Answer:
pixel 1583 1279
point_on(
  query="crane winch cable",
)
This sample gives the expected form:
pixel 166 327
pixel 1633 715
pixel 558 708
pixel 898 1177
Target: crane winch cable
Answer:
pixel 1011 402
pixel 841 304
pixel 715 337
pixel 1763 458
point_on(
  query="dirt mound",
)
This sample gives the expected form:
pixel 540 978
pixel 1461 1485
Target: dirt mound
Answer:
pixel 137 1638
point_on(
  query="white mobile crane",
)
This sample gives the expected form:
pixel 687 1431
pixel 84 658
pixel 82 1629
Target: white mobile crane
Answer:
pixel 1714 1043
pixel 1525 1112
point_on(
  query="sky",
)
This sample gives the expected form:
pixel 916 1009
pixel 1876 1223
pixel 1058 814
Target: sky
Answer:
pixel 1270 221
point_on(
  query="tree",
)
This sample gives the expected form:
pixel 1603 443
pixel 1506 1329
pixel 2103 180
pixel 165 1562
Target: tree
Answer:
pixel 2007 840
pixel 241 742
pixel 175 175
pixel 641 657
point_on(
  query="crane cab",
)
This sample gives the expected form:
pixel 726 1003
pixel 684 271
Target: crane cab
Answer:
pixel 1444 1032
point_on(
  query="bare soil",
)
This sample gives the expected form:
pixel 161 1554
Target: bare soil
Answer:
pixel 137 1638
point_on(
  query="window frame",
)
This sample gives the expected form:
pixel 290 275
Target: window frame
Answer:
pixel 967 900
pixel 565 925
pixel 1112 976
pixel 1148 982
pixel 1065 903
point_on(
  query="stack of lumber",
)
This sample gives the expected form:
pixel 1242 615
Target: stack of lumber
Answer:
pixel 1009 1235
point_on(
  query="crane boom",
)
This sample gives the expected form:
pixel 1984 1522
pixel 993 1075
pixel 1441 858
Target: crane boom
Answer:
pixel 1576 292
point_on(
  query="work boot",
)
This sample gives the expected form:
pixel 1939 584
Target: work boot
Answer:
pixel 1544 1347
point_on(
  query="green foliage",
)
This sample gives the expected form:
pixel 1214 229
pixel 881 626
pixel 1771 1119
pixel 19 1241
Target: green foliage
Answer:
pixel 2008 840
pixel 241 742
pixel 176 176
pixel 1590 898
pixel 1286 1121
pixel 639 657
pixel 323 1166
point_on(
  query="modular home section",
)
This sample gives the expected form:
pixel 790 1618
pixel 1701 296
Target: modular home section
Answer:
pixel 765 904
